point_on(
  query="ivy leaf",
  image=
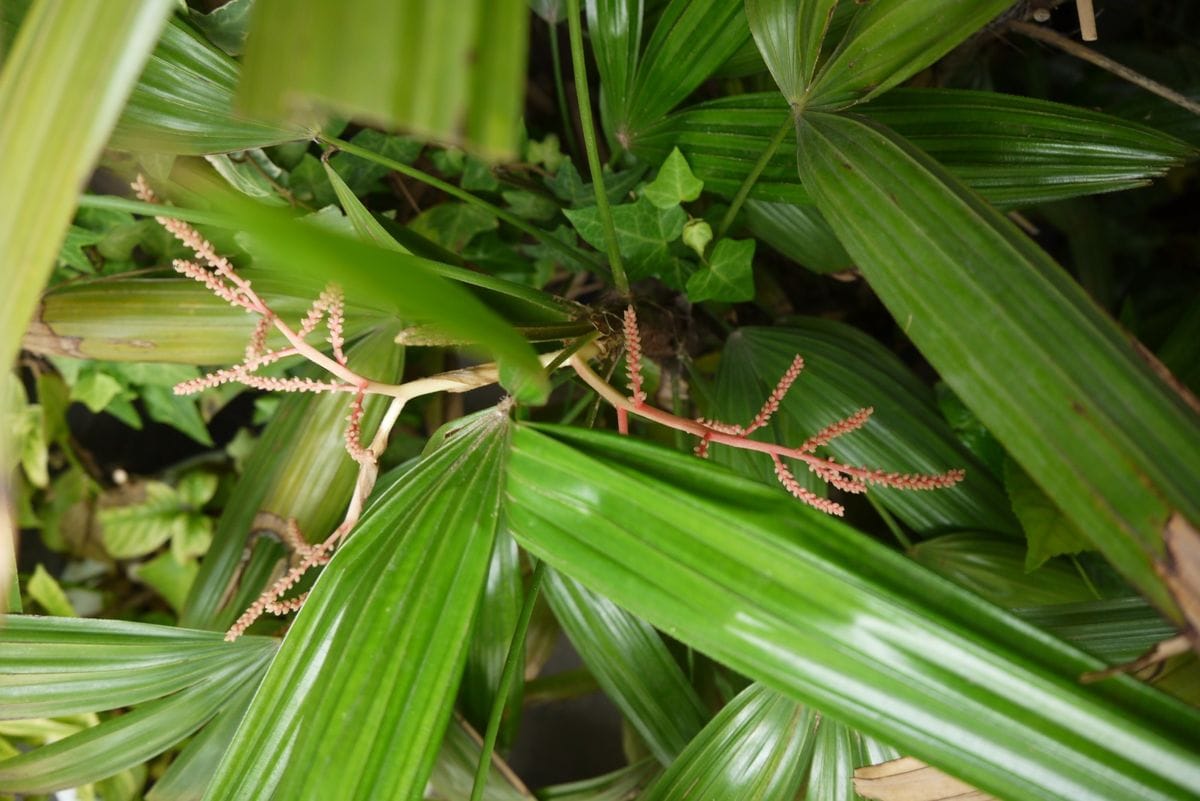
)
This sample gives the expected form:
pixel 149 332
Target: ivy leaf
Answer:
pixel 193 535
pixel 169 577
pixel 729 275
pixel 180 413
pixel 530 205
pixel 547 152
pixel 674 183
pixel 132 531
pixel 197 488
pixel 361 175
pixel 477 176
pixel 644 236
pixel 453 225
pixel 71 254
pixel 1047 530
pixel 226 26
pixel 696 235
pixel 47 593
pixel 96 390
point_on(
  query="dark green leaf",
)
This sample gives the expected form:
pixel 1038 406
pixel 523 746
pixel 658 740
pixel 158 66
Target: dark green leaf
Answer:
pixel 809 607
pixel 1117 630
pixel 798 232
pixel 789 36
pixel 453 225
pixel 1014 150
pixel 728 276
pixel 1047 530
pixel 756 747
pixel 644 235
pixel 491 637
pixel 226 26
pixel 690 41
pixel 413 572
pixel 631 664
pixel 889 41
pixel 1054 378
pixel 995 569
pixel 51 667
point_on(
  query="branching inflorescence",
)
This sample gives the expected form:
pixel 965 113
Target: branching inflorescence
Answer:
pixel 847 478
pixel 218 275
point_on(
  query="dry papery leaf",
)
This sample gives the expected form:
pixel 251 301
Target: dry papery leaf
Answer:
pixel 910 779
pixel 1181 570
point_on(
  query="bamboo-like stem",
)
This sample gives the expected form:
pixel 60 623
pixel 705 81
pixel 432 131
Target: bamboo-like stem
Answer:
pixel 752 178
pixel 512 663
pixel 584 98
pixel 1089 55
pixel 450 189
pixel 560 92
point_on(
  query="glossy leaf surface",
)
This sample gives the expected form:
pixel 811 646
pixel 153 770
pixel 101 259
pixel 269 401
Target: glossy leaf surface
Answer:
pixel 380 643
pixel 1013 150
pixel 1016 338
pixel 754 748
pixel 183 103
pixel 889 41
pixel 60 666
pixel 811 608
pixel 631 664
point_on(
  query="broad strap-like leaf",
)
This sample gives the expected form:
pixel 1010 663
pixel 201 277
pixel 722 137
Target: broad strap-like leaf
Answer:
pixel 362 59
pixel 355 704
pixel 845 370
pixel 1041 365
pixel 615 34
pixel 691 40
pixel 994 568
pixel 1013 150
pixel 57 666
pixel 51 667
pixel 63 84
pixel 756 747
pixel 631 664
pixel 490 640
pixel 789 36
pixel 812 608
pixel 889 41
pixel 1116 630
pixel 798 232
pixel 183 103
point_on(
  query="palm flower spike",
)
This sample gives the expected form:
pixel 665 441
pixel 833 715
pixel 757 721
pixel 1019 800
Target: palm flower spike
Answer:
pixel 847 478
pixel 218 275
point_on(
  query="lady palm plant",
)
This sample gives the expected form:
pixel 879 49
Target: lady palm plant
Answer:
pixel 368 220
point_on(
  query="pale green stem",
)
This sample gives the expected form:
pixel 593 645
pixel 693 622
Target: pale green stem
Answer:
pixel 512 663
pixel 560 92
pixel 584 98
pixel 891 523
pixel 751 179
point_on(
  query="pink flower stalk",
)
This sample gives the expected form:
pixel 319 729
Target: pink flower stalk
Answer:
pixel 847 478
